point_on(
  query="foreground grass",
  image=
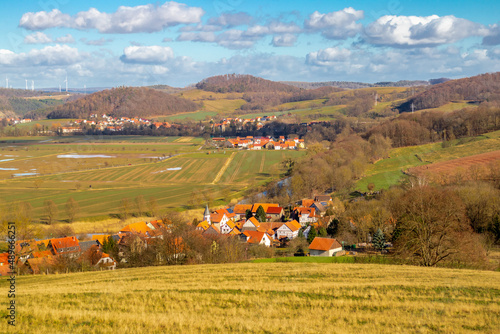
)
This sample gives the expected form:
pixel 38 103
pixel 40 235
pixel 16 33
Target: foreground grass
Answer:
pixel 260 298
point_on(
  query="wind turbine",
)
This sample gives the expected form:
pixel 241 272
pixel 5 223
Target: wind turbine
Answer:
pixel 66 81
pixel 32 85
pixel 26 83
pixel 6 82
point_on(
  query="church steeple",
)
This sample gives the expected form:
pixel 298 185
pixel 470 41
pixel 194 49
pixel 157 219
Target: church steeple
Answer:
pixel 206 215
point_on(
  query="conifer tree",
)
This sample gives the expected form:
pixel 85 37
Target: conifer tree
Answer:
pixel 260 214
pixel 378 240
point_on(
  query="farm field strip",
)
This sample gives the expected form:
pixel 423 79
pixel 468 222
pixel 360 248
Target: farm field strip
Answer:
pixel 262 162
pixel 254 297
pixel 224 168
pixel 238 167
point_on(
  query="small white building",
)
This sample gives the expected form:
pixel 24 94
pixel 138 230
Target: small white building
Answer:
pixel 325 247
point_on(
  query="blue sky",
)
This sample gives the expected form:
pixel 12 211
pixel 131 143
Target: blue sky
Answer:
pixel 136 43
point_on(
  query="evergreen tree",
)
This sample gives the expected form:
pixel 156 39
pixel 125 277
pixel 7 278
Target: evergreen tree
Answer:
pixel 322 232
pixel 248 214
pixel 311 235
pixel 333 227
pixel 378 240
pixel 260 214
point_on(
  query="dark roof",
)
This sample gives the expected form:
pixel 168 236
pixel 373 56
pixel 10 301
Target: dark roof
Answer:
pixel 84 245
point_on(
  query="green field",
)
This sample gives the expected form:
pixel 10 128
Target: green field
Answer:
pixel 388 172
pixel 259 298
pixel 172 171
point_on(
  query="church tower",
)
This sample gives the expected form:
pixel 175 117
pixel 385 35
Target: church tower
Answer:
pixel 206 215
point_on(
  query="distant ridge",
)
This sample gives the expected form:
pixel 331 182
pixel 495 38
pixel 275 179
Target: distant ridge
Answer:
pixel 355 85
pixel 242 83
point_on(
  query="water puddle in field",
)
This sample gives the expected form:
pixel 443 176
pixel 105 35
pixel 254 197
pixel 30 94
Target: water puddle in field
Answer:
pixel 44 141
pixel 25 174
pixel 168 169
pixel 84 156
pixel 5 160
pixel 9 168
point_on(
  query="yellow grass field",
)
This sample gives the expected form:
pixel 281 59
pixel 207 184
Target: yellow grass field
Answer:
pixel 259 298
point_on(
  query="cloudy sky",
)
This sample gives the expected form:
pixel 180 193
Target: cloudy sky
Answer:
pixel 136 43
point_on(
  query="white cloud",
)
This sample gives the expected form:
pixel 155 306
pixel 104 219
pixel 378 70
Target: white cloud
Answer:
pixel 56 55
pixel 242 39
pixel 328 56
pixel 147 54
pixel 336 25
pixel 197 37
pixel 230 19
pixel 37 38
pixel 145 18
pixel 65 39
pixel 97 42
pixel 493 36
pixel 284 40
pixel 40 38
pixel 45 20
pixel 418 31
pixel 7 57
pixel 231 39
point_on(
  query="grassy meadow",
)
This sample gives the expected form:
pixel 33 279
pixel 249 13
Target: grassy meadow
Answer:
pixel 259 298
pixel 171 170
pixel 387 172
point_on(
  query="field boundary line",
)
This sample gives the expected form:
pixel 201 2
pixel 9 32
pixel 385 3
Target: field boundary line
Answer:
pixel 223 169
pixel 261 169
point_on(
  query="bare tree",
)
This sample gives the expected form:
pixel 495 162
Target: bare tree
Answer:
pixel 432 224
pixel 50 210
pixel 72 209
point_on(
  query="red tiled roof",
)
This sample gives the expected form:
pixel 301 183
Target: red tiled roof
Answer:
pixel 274 210
pixel 324 244
pixel 60 244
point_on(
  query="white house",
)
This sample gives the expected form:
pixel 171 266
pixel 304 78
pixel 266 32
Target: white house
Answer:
pixel 289 230
pixel 325 247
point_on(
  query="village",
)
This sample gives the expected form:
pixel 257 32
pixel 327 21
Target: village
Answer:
pixel 256 225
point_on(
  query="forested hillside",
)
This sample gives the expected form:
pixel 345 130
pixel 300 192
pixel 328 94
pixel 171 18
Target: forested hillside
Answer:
pixel 484 87
pixel 125 102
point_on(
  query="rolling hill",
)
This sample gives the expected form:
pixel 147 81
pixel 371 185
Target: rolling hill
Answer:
pixel 481 88
pixel 125 102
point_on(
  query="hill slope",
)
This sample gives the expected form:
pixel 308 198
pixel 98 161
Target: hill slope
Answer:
pixel 484 87
pixel 125 102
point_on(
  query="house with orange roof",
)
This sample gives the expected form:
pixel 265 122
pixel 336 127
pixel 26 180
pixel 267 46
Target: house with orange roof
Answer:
pixel 252 224
pixel 227 227
pixel 325 247
pixel 106 262
pixel 257 238
pixel 139 227
pixel 270 228
pixel 274 213
pixel 305 215
pixel 265 206
pixel 202 226
pixel 212 230
pixel 240 210
pixel 65 246
pixel 289 230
